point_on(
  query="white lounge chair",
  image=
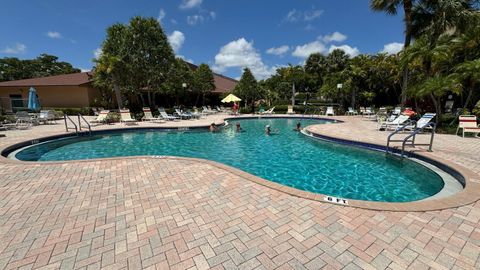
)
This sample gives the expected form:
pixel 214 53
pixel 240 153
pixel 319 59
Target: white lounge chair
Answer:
pixel 46 116
pixel 269 111
pixel 468 124
pixel 351 111
pixel 368 112
pixel 423 122
pixel 168 117
pixel 148 116
pixel 330 111
pixel 182 115
pixel 395 124
pixel 126 117
pixel 102 116
pixel 397 111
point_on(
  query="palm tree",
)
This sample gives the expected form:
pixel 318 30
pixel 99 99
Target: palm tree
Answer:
pixel 468 72
pixel 107 65
pixel 391 7
pixel 434 59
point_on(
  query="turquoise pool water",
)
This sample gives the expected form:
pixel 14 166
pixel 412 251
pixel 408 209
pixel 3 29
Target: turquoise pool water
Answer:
pixel 289 158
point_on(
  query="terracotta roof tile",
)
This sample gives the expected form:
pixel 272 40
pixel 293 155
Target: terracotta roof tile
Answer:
pixel 58 80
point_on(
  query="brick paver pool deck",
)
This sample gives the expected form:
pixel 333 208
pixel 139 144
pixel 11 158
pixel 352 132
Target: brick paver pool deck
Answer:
pixel 161 213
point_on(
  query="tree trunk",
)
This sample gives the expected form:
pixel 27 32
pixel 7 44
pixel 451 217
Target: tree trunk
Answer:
pixel 253 107
pixel 407 8
pixel 196 100
pixel 352 102
pixel 438 108
pixel 118 95
pixel 469 96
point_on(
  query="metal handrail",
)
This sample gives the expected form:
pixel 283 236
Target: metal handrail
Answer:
pixel 65 117
pixel 80 118
pixel 416 130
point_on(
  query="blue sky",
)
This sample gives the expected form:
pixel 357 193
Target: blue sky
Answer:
pixel 227 35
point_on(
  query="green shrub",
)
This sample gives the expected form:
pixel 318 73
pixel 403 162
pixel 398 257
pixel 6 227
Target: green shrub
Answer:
pixel 74 111
pixel 112 117
pixel 245 110
pixel 7 118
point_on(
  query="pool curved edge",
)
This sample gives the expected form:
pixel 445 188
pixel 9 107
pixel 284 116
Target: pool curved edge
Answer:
pixel 470 193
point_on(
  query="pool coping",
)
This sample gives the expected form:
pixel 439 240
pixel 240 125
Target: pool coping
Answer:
pixel 470 193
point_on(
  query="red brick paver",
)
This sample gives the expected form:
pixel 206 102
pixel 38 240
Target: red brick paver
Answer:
pixel 161 213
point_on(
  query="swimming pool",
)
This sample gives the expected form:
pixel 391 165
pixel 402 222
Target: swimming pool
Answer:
pixel 289 158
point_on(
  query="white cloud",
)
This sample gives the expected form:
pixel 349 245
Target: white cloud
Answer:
pixel 176 40
pixel 334 37
pixel 54 34
pixel 392 48
pixel 346 48
pixel 279 50
pixel 84 69
pixel 187 4
pixel 19 48
pixel 213 14
pixel 185 59
pixel 311 15
pixel 293 16
pixel 97 53
pixel 306 16
pixel 240 54
pixel 161 15
pixel 195 19
pixel 303 51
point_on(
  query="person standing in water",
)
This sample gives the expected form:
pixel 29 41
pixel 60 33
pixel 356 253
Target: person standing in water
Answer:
pixel 298 127
pixel 239 128
pixel 213 128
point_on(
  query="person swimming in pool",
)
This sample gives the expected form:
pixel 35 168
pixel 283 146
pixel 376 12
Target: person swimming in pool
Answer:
pixel 298 127
pixel 238 127
pixel 213 128
pixel 268 130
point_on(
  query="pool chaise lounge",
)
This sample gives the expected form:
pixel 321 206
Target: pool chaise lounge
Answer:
pixel 102 116
pixel 126 117
pixel 468 124
pixel 395 124
pixel 167 116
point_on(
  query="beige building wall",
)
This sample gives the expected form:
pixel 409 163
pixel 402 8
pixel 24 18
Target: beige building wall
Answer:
pixel 54 96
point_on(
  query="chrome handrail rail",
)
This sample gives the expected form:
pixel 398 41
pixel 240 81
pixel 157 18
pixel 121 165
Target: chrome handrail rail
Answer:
pixel 80 118
pixel 65 117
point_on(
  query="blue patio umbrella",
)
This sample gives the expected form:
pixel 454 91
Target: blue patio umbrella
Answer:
pixel 33 102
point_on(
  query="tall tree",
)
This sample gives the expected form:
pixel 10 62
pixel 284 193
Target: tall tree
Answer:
pixel 179 79
pixel 248 89
pixel 12 68
pixel 135 57
pixel 391 7
pixel 203 82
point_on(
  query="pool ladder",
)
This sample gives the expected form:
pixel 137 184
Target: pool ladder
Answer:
pixel 69 121
pixel 411 137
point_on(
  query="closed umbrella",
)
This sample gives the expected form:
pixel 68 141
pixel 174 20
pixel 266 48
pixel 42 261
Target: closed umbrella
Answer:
pixel 231 98
pixel 33 103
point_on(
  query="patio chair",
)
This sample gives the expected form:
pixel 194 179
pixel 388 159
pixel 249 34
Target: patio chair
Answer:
pixel 397 111
pixel 182 115
pixel 126 117
pixel 395 124
pixel 46 116
pixel 22 118
pixel 102 116
pixel 269 111
pixel 468 124
pixel 148 116
pixel 368 112
pixel 351 111
pixel 290 110
pixel 423 122
pixel 362 110
pixel 330 111
pixel 168 117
